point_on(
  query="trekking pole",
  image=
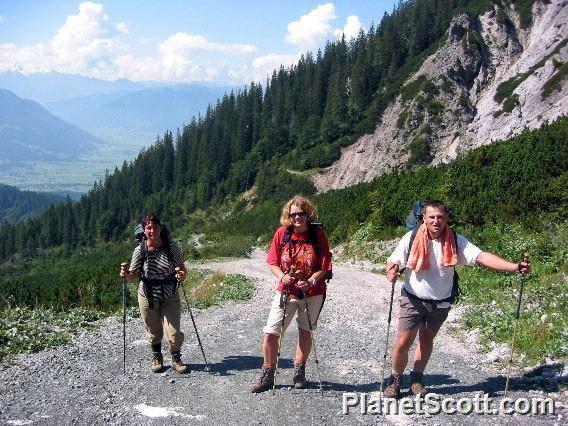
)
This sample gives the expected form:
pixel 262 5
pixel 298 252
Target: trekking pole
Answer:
pixel 285 294
pixel 387 340
pixel 517 315
pixel 313 341
pixel 207 368
pixel 123 266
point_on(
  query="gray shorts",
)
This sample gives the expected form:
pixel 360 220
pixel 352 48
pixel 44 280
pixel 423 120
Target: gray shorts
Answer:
pixel 414 312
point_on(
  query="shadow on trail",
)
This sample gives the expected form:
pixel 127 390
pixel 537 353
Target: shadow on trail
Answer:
pixel 346 387
pixel 331 388
pixel 493 386
pixel 231 364
pixel 445 384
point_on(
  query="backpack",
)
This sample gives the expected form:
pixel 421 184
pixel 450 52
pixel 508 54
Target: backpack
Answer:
pixel 313 229
pixel 414 220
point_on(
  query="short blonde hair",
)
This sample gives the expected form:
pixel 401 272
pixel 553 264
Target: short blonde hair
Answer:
pixel 301 202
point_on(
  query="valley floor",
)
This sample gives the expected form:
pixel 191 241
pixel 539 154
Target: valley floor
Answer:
pixel 83 382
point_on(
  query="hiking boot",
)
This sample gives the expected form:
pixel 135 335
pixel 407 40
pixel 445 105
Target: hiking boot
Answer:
pixel 157 362
pixel 177 363
pixel 416 385
pixel 265 380
pixel 393 389
pixel 299 376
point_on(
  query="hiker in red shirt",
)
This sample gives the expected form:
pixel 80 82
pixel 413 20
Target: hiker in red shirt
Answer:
pixel 298 257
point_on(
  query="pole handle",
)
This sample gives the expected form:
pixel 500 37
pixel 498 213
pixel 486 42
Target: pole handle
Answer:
pixel 526 257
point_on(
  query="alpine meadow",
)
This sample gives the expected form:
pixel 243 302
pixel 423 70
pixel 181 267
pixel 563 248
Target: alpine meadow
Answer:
pixel 440 100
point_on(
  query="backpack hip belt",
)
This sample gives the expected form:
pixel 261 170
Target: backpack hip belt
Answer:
pixel 149 284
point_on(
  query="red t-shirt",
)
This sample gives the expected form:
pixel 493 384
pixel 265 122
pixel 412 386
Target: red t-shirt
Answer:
pixel 302 255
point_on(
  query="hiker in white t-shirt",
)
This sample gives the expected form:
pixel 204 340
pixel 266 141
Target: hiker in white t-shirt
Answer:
pixel 427 290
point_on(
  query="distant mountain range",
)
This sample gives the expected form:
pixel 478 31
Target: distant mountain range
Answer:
pixel 121 117
pixel 52 87
pixel 152 111
pixel 129 109
pixel 28 132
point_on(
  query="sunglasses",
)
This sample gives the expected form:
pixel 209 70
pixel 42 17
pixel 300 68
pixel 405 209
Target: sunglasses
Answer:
pixel 300 214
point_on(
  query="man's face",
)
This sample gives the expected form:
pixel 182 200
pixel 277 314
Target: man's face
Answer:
pixel 435 220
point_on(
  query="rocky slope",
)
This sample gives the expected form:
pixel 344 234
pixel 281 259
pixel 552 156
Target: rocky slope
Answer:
pixel 489 80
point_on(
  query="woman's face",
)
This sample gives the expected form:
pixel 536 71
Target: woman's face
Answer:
pixel 152 230
pixel 298 217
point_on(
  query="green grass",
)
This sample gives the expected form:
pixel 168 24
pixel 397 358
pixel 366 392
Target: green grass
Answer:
pixel 219 245
pixel 491 297
pixel 30 330
pixel 215 288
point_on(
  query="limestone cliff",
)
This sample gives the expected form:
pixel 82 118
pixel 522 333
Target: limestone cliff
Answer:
pixel 489 80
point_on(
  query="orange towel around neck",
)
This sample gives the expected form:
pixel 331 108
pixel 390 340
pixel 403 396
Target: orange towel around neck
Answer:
pixel 418 257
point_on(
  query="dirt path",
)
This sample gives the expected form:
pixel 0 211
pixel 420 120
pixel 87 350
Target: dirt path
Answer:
pixel 83 383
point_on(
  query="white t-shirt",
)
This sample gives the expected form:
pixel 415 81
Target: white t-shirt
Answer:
pixel 435 283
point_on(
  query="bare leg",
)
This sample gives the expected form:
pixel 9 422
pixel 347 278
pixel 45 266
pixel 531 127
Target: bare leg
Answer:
pixel 304 346
pixel 404 341
pixel 424 348
pixel 270 349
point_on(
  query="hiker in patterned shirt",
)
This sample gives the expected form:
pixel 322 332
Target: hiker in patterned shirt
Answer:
pixel 427 290
pixel 299 264
pixel 153 263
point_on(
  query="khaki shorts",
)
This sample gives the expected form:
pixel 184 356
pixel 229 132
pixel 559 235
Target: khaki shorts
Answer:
pixel 413 313
pixel 274 322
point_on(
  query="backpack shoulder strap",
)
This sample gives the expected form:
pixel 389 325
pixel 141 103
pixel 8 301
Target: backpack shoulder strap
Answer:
pixel 412 237
pixel 314 229
pixel 287 236
pixel 314 236
pixel 143 256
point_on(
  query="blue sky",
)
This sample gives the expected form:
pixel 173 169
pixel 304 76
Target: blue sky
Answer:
pixel 215 41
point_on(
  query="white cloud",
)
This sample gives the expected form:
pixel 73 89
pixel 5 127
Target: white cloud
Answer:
pixel 264 65
pixel 185 57
pixel 1 19
pixel 351 28
pixel 181 43
pixel 28 59
pixel 84 37
pixel 122 27
pixel 90 44
pixel 310 30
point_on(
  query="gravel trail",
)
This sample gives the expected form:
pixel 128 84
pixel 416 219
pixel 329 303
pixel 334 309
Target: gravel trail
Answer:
pixel 83 383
